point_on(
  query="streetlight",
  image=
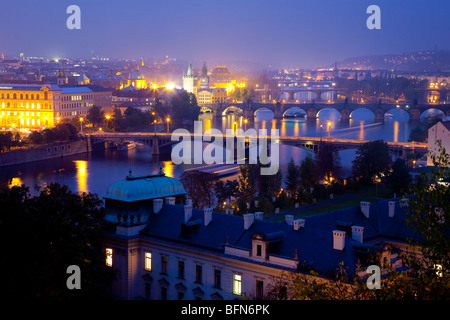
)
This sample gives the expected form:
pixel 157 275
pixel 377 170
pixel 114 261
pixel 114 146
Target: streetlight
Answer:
pixel 321 129
pixel 154 121
pixel 168 121
pixel 245 124
pixel 81 124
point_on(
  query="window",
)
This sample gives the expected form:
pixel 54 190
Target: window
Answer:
pixel 259 289
pixel 217 278
pixel 237 279
pixel 198 273
pixel 163 293
pixel 164 265
pixel 181 269
pixel 148 261
pixel 109 253
pixel 258 250
pixel 147 291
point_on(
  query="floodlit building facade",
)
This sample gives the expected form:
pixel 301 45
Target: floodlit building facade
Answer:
pixel 39 106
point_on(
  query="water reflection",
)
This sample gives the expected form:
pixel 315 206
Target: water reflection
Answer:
pixel 82 175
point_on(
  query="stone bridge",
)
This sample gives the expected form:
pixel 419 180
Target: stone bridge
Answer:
pixel 312 110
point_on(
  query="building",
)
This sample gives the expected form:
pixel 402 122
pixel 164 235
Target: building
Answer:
pixel 218 95
pixel 163 248
pixel 136 80
pixel 440 131
pixel 189 80
pixel 39 106
pixel 204 97
pixel 203 82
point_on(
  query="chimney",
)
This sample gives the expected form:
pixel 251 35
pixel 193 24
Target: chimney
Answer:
pixel 289 219
pixel 207 215
pixel 189 201
pixel 338 240
pixel 357 233
pixel 248 220
pixel 299 223
pixel 187 212
pixel 259 215
pixel 404 202
pixel 391 209
pixel 365 208
pixel 170 200
pixel 157 205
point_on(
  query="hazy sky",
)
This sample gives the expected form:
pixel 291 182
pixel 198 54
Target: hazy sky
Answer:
pixel 273 32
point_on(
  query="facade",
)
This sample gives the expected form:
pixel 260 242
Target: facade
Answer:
pixel 39 106
pixel 189 80
pixel 218 95
pixel 163 248
pixel 440 131
pixel 204 97
pixel 29 106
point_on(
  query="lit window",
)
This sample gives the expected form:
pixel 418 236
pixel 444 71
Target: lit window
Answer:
pixel 148 261
pixel 109 253
pixel 237 284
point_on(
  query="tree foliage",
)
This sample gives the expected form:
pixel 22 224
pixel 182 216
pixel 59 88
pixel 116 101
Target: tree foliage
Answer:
pixel 50 232
pixel 200 187
pixel 372 159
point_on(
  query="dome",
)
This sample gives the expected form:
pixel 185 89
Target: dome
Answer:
pixel 136 74
pixel 144 188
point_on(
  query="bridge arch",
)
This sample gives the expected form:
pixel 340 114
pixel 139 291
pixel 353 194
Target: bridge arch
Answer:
pixel 206 110
pixel 305 95
pixel 327 95
pixel 432 113
pixel 232 109
pixel 329 113
pixel 295 111
pixel 263 109
pixel 362 114
pixel 396 114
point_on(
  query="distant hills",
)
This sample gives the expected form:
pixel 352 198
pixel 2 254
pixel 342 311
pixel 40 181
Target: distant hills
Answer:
pixel 421 61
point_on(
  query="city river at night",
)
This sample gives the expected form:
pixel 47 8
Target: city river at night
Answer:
pixel 95 171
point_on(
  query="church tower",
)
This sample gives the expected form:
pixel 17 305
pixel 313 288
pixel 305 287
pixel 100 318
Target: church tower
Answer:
pixel 204 79
pixel 188 80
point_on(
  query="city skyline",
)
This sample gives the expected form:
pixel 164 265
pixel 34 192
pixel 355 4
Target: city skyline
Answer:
pixel 271 33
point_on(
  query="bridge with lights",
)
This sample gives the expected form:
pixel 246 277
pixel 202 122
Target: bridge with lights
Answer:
pixel 163 140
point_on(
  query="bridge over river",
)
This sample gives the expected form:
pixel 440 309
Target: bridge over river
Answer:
pixel 160 140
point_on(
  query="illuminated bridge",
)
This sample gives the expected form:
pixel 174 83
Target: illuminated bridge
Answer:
pixel 162 140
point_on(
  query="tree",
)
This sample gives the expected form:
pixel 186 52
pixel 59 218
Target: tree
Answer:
pixel 200 187
pixel 308 172
pixel 328 162
pixel 95 116
pixel 292 180
pixel 428 215
pixel 226 190
pixel 51 231
pixel 184 106
pixel 6 140
pixel 372 160
pixel 399 179
pixel 247 182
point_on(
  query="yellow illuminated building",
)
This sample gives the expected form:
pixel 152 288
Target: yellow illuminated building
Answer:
pixel 28 106
pixel 136 80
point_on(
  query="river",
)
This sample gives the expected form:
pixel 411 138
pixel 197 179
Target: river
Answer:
pixel 94 172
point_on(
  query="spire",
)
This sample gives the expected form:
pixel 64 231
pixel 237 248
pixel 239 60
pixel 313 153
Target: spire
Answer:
pixel 189 72
pixel 204 70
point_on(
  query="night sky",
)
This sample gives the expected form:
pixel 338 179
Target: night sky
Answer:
pixel 280 33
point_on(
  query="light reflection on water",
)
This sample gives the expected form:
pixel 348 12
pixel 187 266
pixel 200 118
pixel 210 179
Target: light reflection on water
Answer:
pixel 94 172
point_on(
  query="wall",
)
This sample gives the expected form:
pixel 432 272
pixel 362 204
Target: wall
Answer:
pixel 43 153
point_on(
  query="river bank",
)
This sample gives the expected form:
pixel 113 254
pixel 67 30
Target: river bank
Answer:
pixel 45 152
